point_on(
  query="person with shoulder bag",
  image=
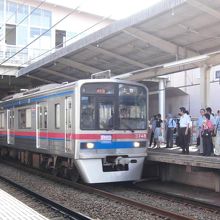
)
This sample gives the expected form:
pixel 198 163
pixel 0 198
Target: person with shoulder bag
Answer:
pixel 158 133
pixel 199 124
pixel 207 128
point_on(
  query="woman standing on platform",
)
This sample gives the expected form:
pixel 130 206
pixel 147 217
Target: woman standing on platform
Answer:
pixel 158 132
pixel 200 123
pixel 207 129
pixel 217 132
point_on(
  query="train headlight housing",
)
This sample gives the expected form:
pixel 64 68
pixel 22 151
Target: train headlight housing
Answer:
pixel 136 144
pixel 90 145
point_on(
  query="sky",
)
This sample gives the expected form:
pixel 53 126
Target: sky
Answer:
pixel 116 9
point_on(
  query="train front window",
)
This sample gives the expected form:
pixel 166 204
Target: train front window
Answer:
pixel 112 106
pixel 106 114
pixel 132 107
pixel 87 119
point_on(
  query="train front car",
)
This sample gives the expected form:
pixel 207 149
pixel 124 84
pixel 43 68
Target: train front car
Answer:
pixel 111 142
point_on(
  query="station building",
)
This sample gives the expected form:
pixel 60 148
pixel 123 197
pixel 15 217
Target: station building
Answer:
pixel 34 29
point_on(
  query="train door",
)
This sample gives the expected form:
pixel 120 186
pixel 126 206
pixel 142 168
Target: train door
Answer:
pixel 42 125
pixel 10 126
pixel 68 124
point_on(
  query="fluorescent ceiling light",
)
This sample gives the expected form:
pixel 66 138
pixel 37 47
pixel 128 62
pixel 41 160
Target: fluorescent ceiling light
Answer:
pixel 186 61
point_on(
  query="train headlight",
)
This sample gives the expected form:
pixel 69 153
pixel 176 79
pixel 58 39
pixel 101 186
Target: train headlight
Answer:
pixel 136 144
pixel 90 145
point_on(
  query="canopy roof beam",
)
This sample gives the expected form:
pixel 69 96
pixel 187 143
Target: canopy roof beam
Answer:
pixel 204 8
pixel 171 48
pixel 111 54
pixel 52 72
pixel 79 66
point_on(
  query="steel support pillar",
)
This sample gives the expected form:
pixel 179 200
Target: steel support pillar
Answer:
pixel 162 98
pixel 204 86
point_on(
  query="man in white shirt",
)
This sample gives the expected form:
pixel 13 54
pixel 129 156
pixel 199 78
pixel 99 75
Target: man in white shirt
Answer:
pixel 170 126
pixel 184 130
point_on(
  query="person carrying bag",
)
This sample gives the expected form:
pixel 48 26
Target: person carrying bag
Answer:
pixel 206 133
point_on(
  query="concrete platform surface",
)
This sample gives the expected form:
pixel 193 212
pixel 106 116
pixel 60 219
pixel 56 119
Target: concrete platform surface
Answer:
pixel 174 156
pixel 184 191
pixel 13 209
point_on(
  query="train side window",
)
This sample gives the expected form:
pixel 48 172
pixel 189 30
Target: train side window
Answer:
pixel 24 118
pixel 57 116
pixel 2 120
pixel 41 117
pixel 45 117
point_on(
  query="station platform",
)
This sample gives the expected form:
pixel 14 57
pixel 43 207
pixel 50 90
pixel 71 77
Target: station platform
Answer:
pixel 13 209
pixel 174 156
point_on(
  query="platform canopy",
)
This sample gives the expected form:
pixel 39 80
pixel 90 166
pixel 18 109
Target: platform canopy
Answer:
pixel 168 31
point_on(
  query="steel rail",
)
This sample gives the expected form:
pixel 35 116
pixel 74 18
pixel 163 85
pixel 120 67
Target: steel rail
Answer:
pixel 178 198
pixel 93 190
pixel 55 206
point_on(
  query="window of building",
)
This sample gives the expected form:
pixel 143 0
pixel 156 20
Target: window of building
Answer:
pixel 11 9
pixel 24 118
pixel 34 32
pixel 57 116
pixel 1 11
pixel 40 18
pixel 10 34
pixel 22 12
pixel 60 38
pixel 22 35
pixel 16 13
pixel 2 120
pixel 35 17
pixel 46 19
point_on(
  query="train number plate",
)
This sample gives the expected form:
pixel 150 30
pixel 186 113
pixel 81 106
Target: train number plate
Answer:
pixel 106 137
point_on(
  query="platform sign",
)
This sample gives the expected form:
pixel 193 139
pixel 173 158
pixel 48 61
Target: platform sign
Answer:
pixel 106 74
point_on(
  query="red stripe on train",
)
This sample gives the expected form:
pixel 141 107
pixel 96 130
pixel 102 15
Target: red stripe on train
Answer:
pixel 76 136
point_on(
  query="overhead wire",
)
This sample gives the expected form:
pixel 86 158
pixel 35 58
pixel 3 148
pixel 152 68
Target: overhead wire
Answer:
pixel 72 11
pixel 21 65
pixel 27 16
pixel 13 14
pixel 27 62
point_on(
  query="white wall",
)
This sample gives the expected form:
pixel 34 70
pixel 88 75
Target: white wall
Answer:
pixel 189 82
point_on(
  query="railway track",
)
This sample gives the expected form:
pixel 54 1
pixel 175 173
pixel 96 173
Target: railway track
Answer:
pixel 43 205
pixel 138 193
pixel 177 198
pixel 156 212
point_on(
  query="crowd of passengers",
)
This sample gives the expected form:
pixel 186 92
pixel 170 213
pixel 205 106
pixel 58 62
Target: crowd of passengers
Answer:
pixel 208 131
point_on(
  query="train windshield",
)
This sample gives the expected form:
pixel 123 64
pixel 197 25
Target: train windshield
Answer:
pixel 110 106
pixel 132 107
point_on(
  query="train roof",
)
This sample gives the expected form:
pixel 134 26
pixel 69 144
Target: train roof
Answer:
pixel 50 87
pixel 32 91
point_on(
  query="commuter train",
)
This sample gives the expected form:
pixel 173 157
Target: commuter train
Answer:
pixel 95 129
